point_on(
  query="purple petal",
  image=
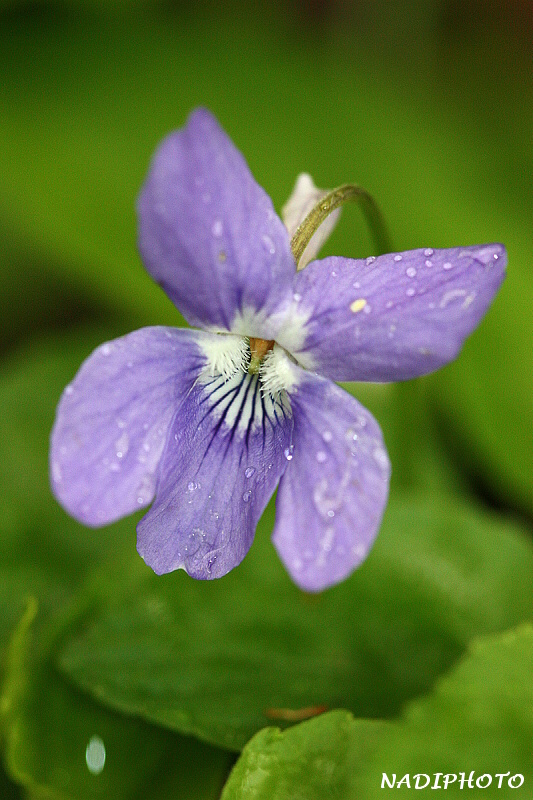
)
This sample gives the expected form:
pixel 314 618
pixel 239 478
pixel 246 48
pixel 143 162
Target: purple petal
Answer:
pixel 209 234
pixel 112 422
pixel 331 499
pixel 223 461
pixel 396 316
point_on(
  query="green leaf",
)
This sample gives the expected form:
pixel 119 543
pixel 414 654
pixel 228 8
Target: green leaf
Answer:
pixel 479 718
pixel 316 759
pixel 219 659
pixel 51 729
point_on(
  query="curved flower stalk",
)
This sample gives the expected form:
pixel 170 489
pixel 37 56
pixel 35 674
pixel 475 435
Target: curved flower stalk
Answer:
pixel 203 424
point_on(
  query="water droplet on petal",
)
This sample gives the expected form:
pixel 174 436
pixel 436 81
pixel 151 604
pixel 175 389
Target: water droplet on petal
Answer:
pixel 191 486
pixel 327 436
pixel 428 251
pixel 381 458
pixel 321 456
pixel 249 471
pixel 356 285
pixel 370 260
pixel 122 445
pixel 106 349
pixel 297 297
pixel 398 257
pixel 288 452
pixel 410 272
pixel 410 292
pixel 217 228
pixel 447 265
pixel 331 513
pixel 247 496
pixel 269 244
pixel 69 390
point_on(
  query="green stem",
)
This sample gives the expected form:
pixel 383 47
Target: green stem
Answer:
pixel 335 199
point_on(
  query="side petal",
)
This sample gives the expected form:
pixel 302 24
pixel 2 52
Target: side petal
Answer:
pixel 304 197
pixel 331 499
pixel 208 233
pixel 223 460
pixel 396 316
pixel 113 419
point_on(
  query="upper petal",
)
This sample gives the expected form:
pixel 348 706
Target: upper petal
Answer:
pixel 223 460
pixel 396 316
pixel 332 497
pixel 112 422
pixel 208 232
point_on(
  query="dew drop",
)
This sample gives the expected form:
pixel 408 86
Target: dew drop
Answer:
pixel 249 471
pixel 269 244
pixel 380 456
pixel 321 456
pixel 191 486
pixel 297 297
pixel 447 265
pixel 288 452
pixel 428 251
pixel 398 257
pixel 247 496
pixel 69 390
pixel 356 285
pixel 370 260
pixel 410 272
pixel 327 540
pixel 95 755
pixel 122 445
pixel 485 256
pixel 429 263
pixel 333 274
pixel 327 436
pixel 217 228
pixel 331 513
pixel 410 292
pixel 106 349
pixel 145 491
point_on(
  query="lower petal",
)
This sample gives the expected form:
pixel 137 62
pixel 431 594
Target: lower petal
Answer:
pixel 331 499
pixel 113 419
pixel 226 451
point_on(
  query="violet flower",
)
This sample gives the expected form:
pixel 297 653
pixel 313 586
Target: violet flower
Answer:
pixel 206 423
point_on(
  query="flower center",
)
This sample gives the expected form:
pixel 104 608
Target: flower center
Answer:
pixel 258 350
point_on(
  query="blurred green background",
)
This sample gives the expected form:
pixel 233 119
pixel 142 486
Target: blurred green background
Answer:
pixel 427 104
